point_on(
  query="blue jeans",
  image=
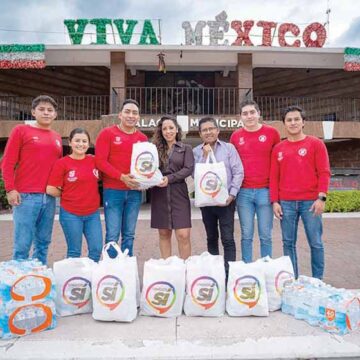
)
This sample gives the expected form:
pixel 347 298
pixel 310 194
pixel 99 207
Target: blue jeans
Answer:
pixel 74 226
pixel 121 209
pixel 292 211
pixel 33 224
pixel 250 202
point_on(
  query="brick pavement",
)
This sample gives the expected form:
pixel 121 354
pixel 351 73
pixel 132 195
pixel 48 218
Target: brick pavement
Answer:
pixel 341 236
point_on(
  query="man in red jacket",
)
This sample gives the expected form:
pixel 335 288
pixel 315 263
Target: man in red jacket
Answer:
pixel 299 181
pixel 29 156
pixel 122 198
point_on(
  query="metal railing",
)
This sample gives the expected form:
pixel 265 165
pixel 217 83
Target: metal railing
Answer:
pixel 183 100
pixel 316 108
pixel 82 107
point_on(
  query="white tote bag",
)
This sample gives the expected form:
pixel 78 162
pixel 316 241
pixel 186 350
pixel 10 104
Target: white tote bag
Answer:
pixel 145 165
pixel 277 273
pixel 73 286
pixel 210 182
pixel 205 285
pixel 114 287
pixel 246 290
pixel 163 287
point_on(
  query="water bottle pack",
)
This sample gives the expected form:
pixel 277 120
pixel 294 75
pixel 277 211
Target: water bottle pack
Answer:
pixel 319 304
pixel 27 293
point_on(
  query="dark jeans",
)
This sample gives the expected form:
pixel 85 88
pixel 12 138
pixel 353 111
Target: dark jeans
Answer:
pixel 215 217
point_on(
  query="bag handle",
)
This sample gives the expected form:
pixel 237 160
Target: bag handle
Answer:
pixel 116 247
pixel 211 156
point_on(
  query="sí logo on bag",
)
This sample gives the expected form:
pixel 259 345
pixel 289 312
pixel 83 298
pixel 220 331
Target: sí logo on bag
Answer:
pixel 145 164
pixel 40 315
pixel 247 290
pixel 161 296
pixel 76 291
pixel 26 284
pixel 210 184
pixel 281 279
pixel 205 291
pixel 110 291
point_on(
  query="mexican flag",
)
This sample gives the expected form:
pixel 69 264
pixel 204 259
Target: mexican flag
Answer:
pixel 352 59
pixel 22 56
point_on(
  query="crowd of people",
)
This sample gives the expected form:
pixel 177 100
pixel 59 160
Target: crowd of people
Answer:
pixel 265 177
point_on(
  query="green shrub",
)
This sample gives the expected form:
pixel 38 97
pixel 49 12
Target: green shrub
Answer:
pixel 3 202
pixel 343 201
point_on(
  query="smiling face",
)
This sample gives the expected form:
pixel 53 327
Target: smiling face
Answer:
pixel 294 123
pixel 169 131
pixel 45 114
pixel 129 116
pixel 250 117
pixel 209 132
pixel 79 144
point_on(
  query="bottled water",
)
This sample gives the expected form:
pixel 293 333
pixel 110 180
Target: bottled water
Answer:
pixel 27 294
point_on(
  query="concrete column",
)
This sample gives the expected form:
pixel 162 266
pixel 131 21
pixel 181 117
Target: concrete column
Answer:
pixel 117 80
pixel 245 76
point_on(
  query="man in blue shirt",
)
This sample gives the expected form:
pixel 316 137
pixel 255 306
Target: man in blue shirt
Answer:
pixel 215 217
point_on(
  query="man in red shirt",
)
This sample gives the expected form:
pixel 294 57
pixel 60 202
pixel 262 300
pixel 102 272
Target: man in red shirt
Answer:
pixel 29 156
pixel 122 198
pixel 254 143
pixel 299 181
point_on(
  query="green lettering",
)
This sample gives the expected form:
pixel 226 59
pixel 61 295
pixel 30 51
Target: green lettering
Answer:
pixel 125 36
pixel 148 32
pixel 101 29
pixel 76 35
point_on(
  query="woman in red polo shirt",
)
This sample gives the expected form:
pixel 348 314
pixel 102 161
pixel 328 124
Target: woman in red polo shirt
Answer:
pixel 74 178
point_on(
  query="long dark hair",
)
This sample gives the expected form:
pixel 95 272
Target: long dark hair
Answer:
pixel 78 131
pixel 160 142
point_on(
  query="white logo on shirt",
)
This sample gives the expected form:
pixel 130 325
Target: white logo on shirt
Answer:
pixel 57 142
pixel 262 138
pixel 96 173
pixel 302 152
pixel 35 138
pixel 280 156
pixel 72 176
pixel 117 140
pixel 241 141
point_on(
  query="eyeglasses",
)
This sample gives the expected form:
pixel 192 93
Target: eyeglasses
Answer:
pixel 206 130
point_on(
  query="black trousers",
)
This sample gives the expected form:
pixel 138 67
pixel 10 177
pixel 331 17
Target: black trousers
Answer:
pixel 215 217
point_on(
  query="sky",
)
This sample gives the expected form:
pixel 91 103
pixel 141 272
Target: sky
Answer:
pixel 42 21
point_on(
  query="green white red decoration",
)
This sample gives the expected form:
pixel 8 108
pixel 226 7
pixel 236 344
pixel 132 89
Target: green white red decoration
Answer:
pixel 352 59
pixel 17 56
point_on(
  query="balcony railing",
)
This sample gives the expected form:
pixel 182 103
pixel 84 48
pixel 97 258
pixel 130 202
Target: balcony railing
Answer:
pixel 87 107
pixel 184 101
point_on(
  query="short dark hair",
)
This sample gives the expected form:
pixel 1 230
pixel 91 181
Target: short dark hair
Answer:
pixel 294 108
pixel 207 119
pixel 79 131
pixel 129 101
pixel 249 102
pixel 44 99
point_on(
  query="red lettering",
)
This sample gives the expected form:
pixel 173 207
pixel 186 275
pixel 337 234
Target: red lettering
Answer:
pixel 242 34
pixel 292 28
pixel 320 31
pixel 266 35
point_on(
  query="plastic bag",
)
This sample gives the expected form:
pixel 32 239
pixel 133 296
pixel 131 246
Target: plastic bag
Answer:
pixel 114 286
pixel 205 285
pixel 210 182
pixel 246 290
pixel 145 165
pixel 163 287
pixel 73 286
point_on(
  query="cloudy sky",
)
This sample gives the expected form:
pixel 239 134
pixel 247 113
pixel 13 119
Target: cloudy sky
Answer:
pixel 41 21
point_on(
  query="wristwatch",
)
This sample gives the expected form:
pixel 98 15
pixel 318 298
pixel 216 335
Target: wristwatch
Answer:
pixel 322 198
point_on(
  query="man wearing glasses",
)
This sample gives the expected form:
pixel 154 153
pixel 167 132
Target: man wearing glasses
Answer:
pixel 220 216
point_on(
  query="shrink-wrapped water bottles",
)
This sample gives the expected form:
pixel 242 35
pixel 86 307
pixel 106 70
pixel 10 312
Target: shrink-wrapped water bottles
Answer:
pixel 27 293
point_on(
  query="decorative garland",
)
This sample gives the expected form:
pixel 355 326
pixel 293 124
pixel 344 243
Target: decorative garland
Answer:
pixel 352 59
pixel 17 56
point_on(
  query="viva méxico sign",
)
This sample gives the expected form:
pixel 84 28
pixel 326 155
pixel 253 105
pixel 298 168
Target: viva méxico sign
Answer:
pixel 212 32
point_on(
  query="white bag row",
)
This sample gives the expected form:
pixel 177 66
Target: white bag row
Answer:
pixel 110 289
